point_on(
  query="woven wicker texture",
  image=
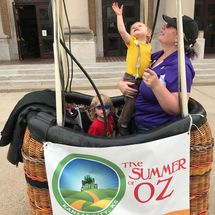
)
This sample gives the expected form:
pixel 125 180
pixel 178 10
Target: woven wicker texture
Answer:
pixel 33 158
pixel 199 205
pixel 201 158
pixel 34 167
pixel 199 184
pixel 202 135
pixel 39 199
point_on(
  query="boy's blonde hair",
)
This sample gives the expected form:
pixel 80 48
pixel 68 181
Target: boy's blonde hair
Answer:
pixel 149 31
pixel 106 99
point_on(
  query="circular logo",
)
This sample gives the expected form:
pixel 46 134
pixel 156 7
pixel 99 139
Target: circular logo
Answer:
pixel 87 184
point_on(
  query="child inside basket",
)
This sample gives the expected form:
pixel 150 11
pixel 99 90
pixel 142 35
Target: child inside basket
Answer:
pixel 138 58
pixel 96 114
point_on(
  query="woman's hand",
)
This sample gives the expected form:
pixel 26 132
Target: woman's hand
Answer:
pixel 167 100
pixel 126 88
pixel 150 78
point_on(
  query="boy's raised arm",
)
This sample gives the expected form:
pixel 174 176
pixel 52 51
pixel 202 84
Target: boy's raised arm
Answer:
pixel 120 23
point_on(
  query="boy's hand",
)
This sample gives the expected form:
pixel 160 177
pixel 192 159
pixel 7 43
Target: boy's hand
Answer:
pixel 118 10
pixel 120 23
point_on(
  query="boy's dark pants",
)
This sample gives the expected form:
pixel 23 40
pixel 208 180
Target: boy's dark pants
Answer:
pixel 128 108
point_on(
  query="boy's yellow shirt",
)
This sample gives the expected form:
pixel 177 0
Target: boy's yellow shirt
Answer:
pixel 134 48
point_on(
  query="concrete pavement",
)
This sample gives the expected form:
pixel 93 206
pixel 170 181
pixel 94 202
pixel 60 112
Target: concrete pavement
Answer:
pixel 13 195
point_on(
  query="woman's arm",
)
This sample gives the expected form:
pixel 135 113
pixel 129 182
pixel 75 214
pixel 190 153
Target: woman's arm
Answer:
pixel 167 100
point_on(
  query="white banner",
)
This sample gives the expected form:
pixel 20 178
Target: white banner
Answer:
pixel 142 179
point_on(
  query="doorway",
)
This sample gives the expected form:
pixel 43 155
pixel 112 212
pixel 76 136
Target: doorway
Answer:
pixel 112 42
pixel 34 30
pixel 28 34
pixel 205 16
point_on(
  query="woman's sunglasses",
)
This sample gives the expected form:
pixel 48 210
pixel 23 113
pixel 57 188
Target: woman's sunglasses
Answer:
pixel 106 107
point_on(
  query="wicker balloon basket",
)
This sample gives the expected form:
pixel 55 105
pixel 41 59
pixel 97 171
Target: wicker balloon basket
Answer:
pixel 201 158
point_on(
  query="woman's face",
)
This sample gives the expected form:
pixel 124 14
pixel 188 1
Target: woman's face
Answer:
pixel 168 35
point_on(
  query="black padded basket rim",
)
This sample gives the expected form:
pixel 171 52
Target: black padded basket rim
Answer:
pixel 67 136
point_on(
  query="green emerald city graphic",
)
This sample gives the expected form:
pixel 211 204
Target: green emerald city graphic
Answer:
pixel 88 184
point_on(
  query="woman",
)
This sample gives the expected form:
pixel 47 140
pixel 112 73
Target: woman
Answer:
pixel 157 101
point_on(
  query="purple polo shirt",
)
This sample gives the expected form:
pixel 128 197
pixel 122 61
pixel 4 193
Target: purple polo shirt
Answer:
pixel 148 111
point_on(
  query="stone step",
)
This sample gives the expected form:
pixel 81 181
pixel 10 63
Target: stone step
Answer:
pixel 203 66
pixel 32 86
pixel 41 71
pixel 105 75
pixel 48 66
pixel 205 75
pixel 27 85
pixel 92 71
pixel 77 76
pixel 49 76
pixel 207 63
pixel 42 75
pixel 205 70
pixel 78 79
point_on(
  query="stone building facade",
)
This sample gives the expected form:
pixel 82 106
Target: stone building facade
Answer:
pixel 26 29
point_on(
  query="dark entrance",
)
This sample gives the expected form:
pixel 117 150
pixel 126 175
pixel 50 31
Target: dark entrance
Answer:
pixel 113 44
pixel 34 31
pixel 29 42
pixel 205 15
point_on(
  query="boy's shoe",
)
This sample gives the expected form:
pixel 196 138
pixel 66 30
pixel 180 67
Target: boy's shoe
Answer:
pixel 123 131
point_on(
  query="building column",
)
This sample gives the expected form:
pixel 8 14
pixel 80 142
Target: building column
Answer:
pixel 159 23
pixel 82 37
pixel 201 44
pixel 188 8
pixel 4 42
pixel 168 7
pixel 99 29
pixel 2 35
